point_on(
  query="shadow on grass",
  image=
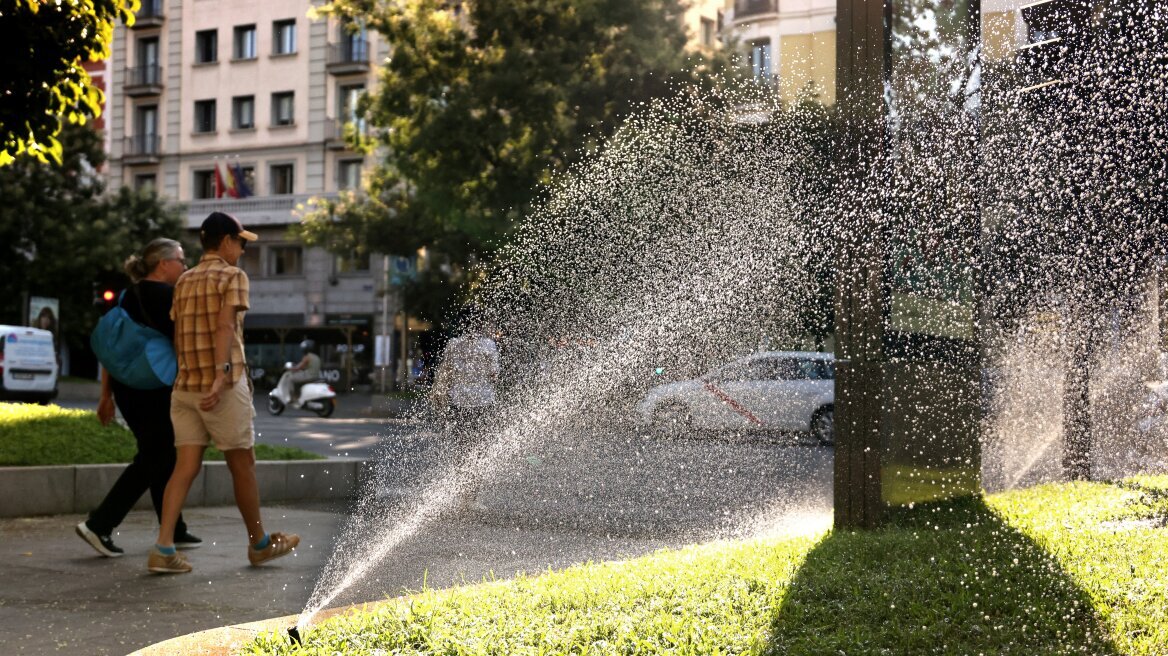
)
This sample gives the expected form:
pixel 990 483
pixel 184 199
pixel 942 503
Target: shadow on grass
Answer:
pixel 947 578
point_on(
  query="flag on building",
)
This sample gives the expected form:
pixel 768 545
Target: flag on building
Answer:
pixel 231 187
pixel 241 188
pixel 220 188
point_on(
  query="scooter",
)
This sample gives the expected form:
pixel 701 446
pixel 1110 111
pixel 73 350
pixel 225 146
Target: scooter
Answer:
pixel 318 396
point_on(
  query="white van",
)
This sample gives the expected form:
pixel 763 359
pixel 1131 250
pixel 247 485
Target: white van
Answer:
pixel 28 364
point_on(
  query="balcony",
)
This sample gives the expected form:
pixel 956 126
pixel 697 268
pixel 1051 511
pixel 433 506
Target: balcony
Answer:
pixel 142 149
pixel 348 58
pixel 750 8
pixel 254 210
pixel 144 80
pixel 150 14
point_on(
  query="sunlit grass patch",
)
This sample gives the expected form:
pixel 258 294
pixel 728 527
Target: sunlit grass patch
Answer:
pixel 1112 541
pixel 1026 572
pixel 35 435
pixel 905 484
pixel 715 598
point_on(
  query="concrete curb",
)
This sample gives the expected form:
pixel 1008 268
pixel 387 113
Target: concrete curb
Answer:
pixel 227 640
pixel 31 491
pixel 71 391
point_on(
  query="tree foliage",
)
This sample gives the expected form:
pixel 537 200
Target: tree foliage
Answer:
pixel 478 111
pixel 58 231
pixel 44 84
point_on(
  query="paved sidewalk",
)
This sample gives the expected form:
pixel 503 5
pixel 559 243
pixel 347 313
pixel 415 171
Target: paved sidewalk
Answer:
pixel 551 503
pixel 59 596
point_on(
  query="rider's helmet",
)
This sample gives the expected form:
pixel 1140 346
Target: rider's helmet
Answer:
pixel 308 346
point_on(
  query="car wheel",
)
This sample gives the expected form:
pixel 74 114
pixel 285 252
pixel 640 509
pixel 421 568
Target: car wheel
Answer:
pixel 326 408
pixel 274 405
pixel 823 425
pixel 673 419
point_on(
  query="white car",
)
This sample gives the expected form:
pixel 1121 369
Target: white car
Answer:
pixel 28 364
pixel 769 391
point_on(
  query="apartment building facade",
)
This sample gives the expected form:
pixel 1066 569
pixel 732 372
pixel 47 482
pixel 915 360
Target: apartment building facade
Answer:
pixel 787 42
pixel 792 42
pixel 241 107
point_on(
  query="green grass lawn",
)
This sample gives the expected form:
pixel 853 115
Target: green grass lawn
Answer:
pixel 1061 569
pixel 50 435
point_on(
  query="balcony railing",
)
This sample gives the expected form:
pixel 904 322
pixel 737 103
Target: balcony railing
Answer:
pixel 144 80
pixel 150 14
pixel 747 8
pixel 142 149
pixel 259 210
pixel 349 57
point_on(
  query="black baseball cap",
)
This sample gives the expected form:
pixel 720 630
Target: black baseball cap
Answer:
pixel 217 225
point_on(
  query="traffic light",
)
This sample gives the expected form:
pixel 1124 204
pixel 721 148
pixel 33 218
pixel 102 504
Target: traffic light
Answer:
pixel 1056 32
pixel 105 296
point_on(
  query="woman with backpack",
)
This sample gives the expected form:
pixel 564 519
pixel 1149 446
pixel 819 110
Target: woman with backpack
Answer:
pixel 145 408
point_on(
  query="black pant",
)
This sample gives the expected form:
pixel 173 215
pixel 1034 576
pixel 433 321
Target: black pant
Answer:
pixel 148 414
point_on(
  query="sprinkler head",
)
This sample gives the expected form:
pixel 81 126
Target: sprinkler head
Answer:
pixel 294 633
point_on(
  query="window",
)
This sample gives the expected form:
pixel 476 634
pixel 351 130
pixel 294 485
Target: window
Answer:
pixel 144 181
pixel 206 46
pixel 283 105
pixel 205 115
pixel 708 32
pixel 284 261
pixel 147 71
pixel 352 263
pixel 818 369
pixel 243 112
pixel 730 372
pixel 284 37
pixel 147 120
pixel 148 51
pixel 250 262
pixel 204 184
pixel 775 369
pixel 349 173
pixel 760 61
pixel 248 180
pixel 354 41
pixel 282 176
pixel 350 96
pixel 245 42
pixel 145 141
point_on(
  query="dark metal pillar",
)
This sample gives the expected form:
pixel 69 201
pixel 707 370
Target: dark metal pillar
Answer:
pixel 862 63
pixel 907 392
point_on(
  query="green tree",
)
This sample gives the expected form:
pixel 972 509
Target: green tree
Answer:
pixel 44 85
pixel 58 231
pixel 478 111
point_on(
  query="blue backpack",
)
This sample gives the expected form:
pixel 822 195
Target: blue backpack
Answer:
pixel 137 356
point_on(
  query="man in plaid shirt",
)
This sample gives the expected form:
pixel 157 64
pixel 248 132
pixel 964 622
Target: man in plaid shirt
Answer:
pixel 212 399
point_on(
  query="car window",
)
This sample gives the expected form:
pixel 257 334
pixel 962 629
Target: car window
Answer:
pixel 732 371
pixel 776 369
pixel 817 369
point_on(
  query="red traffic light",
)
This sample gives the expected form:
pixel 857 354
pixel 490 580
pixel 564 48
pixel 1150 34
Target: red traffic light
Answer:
pixel 108 295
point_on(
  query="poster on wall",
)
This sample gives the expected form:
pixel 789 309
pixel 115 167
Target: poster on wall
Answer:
pixel 44 313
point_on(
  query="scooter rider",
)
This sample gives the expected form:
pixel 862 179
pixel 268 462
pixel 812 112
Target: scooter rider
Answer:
pixel 306 371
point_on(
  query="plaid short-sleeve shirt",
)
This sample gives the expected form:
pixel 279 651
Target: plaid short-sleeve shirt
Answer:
pixel 198 296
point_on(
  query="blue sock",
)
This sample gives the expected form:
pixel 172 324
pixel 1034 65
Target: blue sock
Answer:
pixel 165 551
pixel 262 544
